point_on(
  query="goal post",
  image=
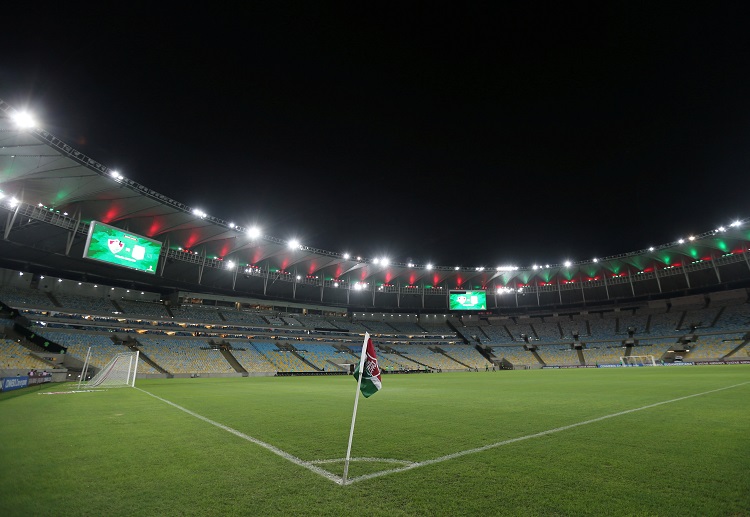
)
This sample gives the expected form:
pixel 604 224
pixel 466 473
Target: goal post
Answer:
pixel 119 372
pixel 638 360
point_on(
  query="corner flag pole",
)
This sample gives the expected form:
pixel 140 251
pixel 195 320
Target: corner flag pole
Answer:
pixel 356 401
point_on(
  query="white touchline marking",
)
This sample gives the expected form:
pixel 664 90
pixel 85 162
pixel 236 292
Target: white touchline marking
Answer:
pixel 275 450
pixel 409 465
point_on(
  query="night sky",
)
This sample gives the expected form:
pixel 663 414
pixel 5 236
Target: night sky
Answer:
pixel 451 135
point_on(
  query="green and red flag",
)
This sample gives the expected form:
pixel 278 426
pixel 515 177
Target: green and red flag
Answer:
pixel 371 379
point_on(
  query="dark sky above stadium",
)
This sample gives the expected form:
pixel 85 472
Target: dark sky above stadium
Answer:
pixel 457 135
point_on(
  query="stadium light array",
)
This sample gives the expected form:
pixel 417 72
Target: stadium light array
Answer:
pixel 568 263
pixel 294 244
pixel 24 119
pixel 253 232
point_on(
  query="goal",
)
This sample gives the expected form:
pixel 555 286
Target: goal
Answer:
pixel 119 372
pixel 638 360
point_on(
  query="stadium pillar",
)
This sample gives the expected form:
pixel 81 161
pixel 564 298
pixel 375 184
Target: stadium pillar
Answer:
pixel 72 233
pixel 163 259
pixel 716 269
pixel 583 295
pixel 630 278
pixel 606 287
pixel 656 274
pixel 12 217
pixel 203 264
pixel 687 278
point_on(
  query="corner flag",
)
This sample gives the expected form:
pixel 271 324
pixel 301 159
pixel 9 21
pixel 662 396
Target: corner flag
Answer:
pixel 368 383
pixel 371 379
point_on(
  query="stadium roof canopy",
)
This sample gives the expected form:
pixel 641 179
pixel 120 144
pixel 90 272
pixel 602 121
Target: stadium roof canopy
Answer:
pixel 51 192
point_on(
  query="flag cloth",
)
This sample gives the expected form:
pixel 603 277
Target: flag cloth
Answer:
pixel 371 379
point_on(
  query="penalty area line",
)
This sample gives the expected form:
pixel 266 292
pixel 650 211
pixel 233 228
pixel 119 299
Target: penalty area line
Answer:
pixel 268 446
pixel 455 455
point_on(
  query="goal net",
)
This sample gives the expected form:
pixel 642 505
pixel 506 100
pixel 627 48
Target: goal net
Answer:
pixel 117 373
pixel 638 360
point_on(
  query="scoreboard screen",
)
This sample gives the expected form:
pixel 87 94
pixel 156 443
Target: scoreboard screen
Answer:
pixel 115 246
pixel 467 300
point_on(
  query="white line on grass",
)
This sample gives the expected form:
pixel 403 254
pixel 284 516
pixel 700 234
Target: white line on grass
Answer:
pixel 535 435
pixel 408 465
pixel 275 450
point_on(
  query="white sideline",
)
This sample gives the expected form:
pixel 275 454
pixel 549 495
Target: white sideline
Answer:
pixel 310 465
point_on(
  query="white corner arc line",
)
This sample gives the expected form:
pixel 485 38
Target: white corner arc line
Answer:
pixel 408 465
pixel 275 450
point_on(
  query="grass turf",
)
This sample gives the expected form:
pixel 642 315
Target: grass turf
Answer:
pixel 124 452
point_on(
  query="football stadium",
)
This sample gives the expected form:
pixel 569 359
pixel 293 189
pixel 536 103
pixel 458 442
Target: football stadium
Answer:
pixel 158 360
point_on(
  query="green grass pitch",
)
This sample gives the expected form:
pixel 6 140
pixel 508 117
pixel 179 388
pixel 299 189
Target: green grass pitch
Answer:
pixel 482 443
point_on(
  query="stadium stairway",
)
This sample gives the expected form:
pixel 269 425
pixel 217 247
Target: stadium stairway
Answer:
pixel 54 300
pixel 136 347
pixel 581 359
pixel 301 358
pixel 538 357
pixel 117 306
pixel 233 361
pixel 735 352
pixel 438 350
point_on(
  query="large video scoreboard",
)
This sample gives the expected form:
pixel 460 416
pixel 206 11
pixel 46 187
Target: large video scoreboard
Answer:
pixel 115 246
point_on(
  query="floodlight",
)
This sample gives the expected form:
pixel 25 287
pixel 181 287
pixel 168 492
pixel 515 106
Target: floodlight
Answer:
pixel 232 225
pixel 253 232
pixel 346 256
pixel 294 244
pixel 23 120
pixel 691 238
pixel 651 248
pixel 596 259
pixel 386 261
pixel 681 241
pixel 428 266
pixel 736 223
pixel 568 263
